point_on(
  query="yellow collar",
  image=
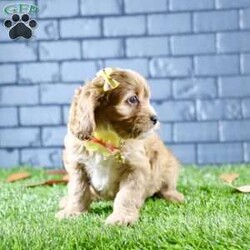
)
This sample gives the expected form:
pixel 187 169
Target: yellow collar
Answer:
pixel 105 142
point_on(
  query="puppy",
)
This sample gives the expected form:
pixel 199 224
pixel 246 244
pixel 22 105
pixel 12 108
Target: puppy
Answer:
pixel 112 150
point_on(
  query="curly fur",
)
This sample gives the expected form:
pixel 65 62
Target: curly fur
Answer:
pixel 149 167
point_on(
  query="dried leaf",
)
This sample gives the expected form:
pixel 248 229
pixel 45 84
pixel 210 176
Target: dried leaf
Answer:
pixel 48 183
pixel 54 182
pixel 18 176
pixel 56 172
pixel 243 189
pixel 229 178
pixel 65 177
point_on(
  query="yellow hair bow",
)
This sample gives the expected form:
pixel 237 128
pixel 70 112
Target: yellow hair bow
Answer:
pixel 109 82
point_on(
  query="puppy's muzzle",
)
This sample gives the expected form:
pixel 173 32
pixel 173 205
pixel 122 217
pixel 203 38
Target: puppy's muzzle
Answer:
pixel 154 119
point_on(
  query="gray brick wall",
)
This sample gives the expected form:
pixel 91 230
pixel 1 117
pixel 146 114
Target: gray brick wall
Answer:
pixel 194 53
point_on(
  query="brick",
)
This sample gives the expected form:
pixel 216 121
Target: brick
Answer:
pixel 233 42
pixel 224 4
pixel 8 117
pixel 170 66
pixel 65 114
pixel 245 19
pixel 80 28
pixel 175 111
pixel 18 95
pixel 245 63
pixel 169 23
pixel 184 152
pixel 247 152
pixel 59 50
pixel 23 52
pixel 193 88
pixel 124 26
pixel 196 132
pixel 96 7
pixel 38 72
pixel 57 8
pixel 53 136
pixel 147 46
pixel 165 132
pixel 213 65
pixel 136 6
pixel 191 44
pixel 104 48
pixel 215 21
pixel 40 115
pixel 218 109
pixel 160 89
pixel 47 30
pixel 19 137
pixel 235 130
pixel 139 65
pixel 180 5
pixel 42 157
pixel 7 73
pixel 246 108
pixel 234 86
pixel 57 93
pixel 78 71
pixel 9 158
pixel 216 153
pixel 4 34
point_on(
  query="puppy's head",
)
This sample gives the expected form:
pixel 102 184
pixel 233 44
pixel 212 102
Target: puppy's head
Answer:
pixel 125 109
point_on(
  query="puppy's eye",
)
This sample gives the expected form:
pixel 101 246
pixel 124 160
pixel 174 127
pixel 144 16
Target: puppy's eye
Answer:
pixel 133 100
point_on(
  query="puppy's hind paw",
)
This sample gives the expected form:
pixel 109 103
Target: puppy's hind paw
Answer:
pixel 64 214
pixel 173 196
pixel 121 219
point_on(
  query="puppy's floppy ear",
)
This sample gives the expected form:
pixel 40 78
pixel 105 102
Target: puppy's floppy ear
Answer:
pixel 82 118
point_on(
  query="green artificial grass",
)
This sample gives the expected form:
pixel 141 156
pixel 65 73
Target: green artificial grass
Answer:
pixel 213 217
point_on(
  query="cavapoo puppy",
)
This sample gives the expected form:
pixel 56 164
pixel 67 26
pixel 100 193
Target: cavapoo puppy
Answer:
pixel 112 150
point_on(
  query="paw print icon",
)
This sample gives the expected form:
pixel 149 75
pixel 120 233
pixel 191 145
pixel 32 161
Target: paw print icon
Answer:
pixel 20 26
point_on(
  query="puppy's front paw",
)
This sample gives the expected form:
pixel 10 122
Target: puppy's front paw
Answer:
pixel 66 213
pixel 122 219
pixel 63 202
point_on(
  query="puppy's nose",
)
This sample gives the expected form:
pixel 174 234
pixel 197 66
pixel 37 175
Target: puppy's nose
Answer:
pixel 154 119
